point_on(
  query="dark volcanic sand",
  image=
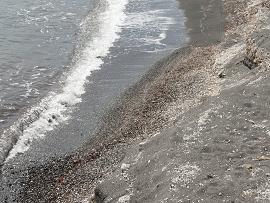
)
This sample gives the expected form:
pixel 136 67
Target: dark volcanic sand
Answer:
pixel 216 147
pixel 194 129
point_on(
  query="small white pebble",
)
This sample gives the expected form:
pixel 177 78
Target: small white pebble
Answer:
pixel 125 167
pixel 124 199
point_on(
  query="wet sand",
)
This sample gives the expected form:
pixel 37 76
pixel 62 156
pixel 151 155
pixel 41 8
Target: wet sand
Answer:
pixel 195 128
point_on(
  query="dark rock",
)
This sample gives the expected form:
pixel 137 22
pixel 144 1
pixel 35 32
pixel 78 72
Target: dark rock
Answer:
pixel 99 197
pixel 248 166
pixel 221 75
pixel 250 63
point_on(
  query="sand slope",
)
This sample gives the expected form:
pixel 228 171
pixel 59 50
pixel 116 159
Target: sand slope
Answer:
pixel 216 148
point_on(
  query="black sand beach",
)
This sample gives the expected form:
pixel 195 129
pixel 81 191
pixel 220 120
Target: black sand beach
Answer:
pixel 194 129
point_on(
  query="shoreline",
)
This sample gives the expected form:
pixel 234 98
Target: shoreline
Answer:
pixel 165 103
pixel 156 96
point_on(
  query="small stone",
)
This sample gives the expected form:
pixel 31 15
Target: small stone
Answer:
pixel 124 199
pixel 247 166
pixel 141 146
pixel 77 161
pixel 50 120
pixel 124 167
pixel 221 75
pixel 61 179
pixel 53 117
pixel 210 176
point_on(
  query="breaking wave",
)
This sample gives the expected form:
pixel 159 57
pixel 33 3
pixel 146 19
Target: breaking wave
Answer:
pixel 57 106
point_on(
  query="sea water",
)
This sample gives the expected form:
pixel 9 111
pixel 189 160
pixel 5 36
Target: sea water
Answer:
pixel 63 62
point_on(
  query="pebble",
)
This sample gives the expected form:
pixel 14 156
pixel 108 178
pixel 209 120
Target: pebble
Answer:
pixel 124 167
pixel 247 166
pixel 221 75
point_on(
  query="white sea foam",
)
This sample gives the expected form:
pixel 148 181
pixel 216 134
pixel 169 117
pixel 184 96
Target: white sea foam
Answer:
pixel 144 18
pixel 155 22
pixel 28 88
pixel 58 105
pixel 155 40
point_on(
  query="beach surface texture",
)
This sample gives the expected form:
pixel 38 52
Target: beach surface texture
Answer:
pixel 195 128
